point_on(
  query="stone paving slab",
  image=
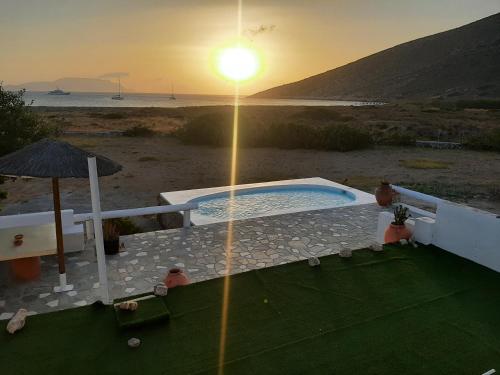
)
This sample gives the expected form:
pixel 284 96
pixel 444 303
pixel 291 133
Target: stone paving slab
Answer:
pixel 200 251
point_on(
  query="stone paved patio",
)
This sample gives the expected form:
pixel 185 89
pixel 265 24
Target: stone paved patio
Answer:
pixel 200 251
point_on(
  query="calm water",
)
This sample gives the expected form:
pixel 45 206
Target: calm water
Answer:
pixel 162 100
pixel 266 201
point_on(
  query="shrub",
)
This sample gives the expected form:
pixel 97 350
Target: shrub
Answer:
pixel 139 131
pixel 318 114
pixel 290 135
pixel 217 130
pixel 19 125
pixel 213 129
pixel 397 138
pixel 108 116
pixel 125 226
pixel 345 138
pixel 489 141
pixel 478 104
pixel 3 194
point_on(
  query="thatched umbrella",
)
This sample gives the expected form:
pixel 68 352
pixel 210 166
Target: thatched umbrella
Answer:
pixel 55 159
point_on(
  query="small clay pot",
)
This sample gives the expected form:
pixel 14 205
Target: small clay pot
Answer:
pixel 176 277
pixel 395 233
pixel 384 194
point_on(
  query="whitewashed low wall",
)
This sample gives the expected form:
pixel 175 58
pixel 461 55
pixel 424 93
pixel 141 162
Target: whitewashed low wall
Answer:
pixel 469 233
pixel 465 231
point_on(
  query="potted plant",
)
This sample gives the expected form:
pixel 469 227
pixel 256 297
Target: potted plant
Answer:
pixel 111 237
pixel 384 194
pixel 397 230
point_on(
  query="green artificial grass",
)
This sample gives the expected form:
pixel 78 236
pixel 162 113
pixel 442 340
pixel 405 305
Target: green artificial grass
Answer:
pixel 401 311
pixel 151 310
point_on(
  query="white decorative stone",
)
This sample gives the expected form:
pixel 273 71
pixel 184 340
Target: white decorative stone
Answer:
pixel 141 254
pixel 6 315
pixel 313 261
pixel 18 321
pixel 129 290
pixel 53 303
pixel 96 285
pixel 134 342
pixel 160 290
pixel 376 247
pixel 72 293
pixel 128 278
pixel 80 303
pixel 134 261
pixel 43 295
pixel 82 264
pixel 345 253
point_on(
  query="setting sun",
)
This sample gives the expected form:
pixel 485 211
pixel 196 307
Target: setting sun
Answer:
pixel 238 63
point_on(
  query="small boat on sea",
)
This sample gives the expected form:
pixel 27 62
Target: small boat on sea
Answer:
pixel 58 92
pixel 172 96
pixel 119 95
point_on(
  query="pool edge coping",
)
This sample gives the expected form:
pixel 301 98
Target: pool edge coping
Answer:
pixel 184 196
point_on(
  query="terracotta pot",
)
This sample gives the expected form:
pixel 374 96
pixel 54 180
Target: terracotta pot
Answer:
pixel 395 233
pixel 176 277
pixel 384 194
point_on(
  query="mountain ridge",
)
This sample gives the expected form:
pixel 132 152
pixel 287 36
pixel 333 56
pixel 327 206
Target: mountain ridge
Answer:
pixel 76 84
pixel 461 62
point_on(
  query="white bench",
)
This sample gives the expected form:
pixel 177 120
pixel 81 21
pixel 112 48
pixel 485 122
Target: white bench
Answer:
pixel 73 234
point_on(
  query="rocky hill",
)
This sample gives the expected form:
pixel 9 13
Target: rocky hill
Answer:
pixel 462 63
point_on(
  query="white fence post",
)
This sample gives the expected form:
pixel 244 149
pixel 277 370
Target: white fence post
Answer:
pixel 99 244
pixel 89 229
pixel 187 219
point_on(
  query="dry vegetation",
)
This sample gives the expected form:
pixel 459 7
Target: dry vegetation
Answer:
pixel 158 163
pixel 395 124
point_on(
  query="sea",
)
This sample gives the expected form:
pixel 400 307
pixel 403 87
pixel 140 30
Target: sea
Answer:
pixel 90 99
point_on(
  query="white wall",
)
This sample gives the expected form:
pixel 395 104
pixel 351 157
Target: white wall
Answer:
pixel 469 233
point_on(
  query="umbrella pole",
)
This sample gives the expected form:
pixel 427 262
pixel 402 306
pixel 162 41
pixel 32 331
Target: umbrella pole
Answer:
pixel 63 286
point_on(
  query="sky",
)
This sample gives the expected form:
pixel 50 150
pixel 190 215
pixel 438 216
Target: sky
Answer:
pixel 156 43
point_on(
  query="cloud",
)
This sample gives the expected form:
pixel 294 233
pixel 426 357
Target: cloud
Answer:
pixel 262 29
pixel 115 75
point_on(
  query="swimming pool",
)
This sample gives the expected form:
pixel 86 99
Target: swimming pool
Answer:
pixel 246 204
pixel 266 199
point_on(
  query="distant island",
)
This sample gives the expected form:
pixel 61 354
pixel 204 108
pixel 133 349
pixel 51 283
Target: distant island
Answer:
pixel 459 63
pixel 69 84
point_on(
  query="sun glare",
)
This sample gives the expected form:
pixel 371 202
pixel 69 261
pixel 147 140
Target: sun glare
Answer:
pixel 238 63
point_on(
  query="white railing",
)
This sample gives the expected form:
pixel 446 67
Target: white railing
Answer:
pixel 416 195
pixel 185 208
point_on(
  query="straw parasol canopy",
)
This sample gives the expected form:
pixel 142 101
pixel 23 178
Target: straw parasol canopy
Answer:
pixel 55 159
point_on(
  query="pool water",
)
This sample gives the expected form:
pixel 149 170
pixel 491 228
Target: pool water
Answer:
pixel 263 202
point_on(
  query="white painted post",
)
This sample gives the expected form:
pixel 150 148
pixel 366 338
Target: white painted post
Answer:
pixel 99 243
pixel 89 229
pixel 187 219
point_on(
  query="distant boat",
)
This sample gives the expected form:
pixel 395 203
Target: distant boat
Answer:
pixel 119 96
pixel 172 96
pixel 58 92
